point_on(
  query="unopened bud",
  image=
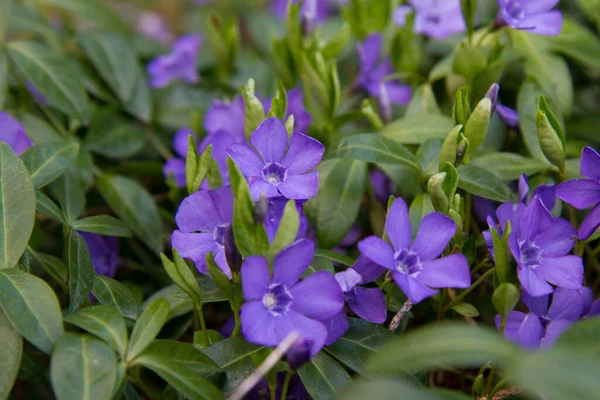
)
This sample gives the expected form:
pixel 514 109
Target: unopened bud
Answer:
pixel 439 199
pixel 492 94
pixel 308 16
pixel 260 210
pixel 550 134
pixel 299 353
pixel 462 148
pixel 232 255
pixel 479 121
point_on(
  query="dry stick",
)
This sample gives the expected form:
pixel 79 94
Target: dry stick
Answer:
pixel 398 317
pixel 270 361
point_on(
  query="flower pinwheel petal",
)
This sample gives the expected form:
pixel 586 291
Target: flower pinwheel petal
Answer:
pixel 378 251
pixel 451 271
pixel 336 327
pixel 590 223
pixel 566 272
pixel 590 164
pixel 433 236
pixel 412 288
pixel 580 193
pixel 397 225
pixel 304 154
pixel 249 162
pixel 270 140
pixel 318 296
pixel 291 262
pixel 256 277
pixel 300 187
pixel 368 304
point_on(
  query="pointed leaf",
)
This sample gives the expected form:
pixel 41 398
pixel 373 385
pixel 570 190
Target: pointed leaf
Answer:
pixel 113 293
pixel 81 270
pixel 323 376
pixel 102 225
pixel 47 161
pixel 147 327
pixel 10 355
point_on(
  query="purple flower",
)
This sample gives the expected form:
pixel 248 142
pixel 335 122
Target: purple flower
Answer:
pixel 535 16
pixel 433 18
pixel 179 64
pixel 585 193
pixel 153 25
pixel 228 117
pixel 544 323
pixel 275 207
pixel 276 167
pixel 368 303
pixel 540 244
pixel 176 166
pixel 296 390
pixel 318 10
pixel 202 220
pixel 383 186
pixel 13 133
pixel 104 251
pixel 278 305
pixel 295 107
pixel 508 115
pixel 415 268
pixel 299 353
pixel 373 72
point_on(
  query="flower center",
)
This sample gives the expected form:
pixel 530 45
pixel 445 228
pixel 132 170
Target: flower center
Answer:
pixel 274 173
pixel 277 299
pixel 219 234
pixel 407 262
pixel 530 254
pixel 515 10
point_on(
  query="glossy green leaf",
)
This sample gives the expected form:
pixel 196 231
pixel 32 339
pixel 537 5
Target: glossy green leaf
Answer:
pixel 48 207
pixel 219 277
pixel 47 161
pixel 505 298
pixel 466 309
pixel 81 270
pixel 361 340
pixel 254 112
pixel 577 42
pixel 418 128
pixel 509 166
pixel 31 307
pixel 113 136
pixel 147 327
pixel 17 207
pixel 39 130
pixel 388 389
pixel 478 124
pixel 441 345
pixel 52 76
pixel 54 266
pixel 200 339
pixel 24 19
pixel 3 79
pixel 113 293
pixel 482 183
pixel 10 354
pixel 287 231
pixel 419 208
pixel 583 335
pixel 83 367
pixel 104 322
pixel 336 44
pixel 180 273
pixel 339 200
pixel 323 376
pixel 140 103
pixel 527 108
pixel 71 197
pixel 234 356
pixel 185 368
pixel 550 134
pixel 423 101
pixel 335 256
pixel 376 149
pixel 134 205
pixel 5 6
pixel 102 225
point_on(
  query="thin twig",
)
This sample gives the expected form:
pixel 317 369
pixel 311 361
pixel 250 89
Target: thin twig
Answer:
pixel 270 361
pixel 398 317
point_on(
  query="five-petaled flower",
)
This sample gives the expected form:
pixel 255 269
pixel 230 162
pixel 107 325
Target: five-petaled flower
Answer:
pixel 179 64
pixel 585 193
pixel 540 244
pixel 278 305
pixel 535 16
pixel 276 167
pixel 416 268
pixel 203 218
pixel 13 133
pixel 433 18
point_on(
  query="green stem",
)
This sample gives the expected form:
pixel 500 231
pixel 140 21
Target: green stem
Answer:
pixel 273 390
pixel 478 282
pixel 482 264
pixel 490 382
pixel 236 317
pixel 202 322
pixel 158 145
pixel 286 383
pixel 385 283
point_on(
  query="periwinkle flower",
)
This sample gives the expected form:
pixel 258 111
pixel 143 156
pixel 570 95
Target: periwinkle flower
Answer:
pixel 535 16
pixel 585 193
pixel 296 390
pixel 279 166
pixel 153 25
pixel 416 268
pixel 275 208
pixel 13 133
pixel 368 303
pixel 318 10
pixel 295 107
pixel 373 71
pixel 546 319
pixel 179 64
pixel 540 244
pixel 437 19
pixel 104 251
pixel 175 166
pixel 275 306
pixel 383 186
pixel 202 219
pixel 299 353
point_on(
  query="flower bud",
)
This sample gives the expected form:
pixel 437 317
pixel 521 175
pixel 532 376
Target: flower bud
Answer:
pixel 492 94
pixel 232 255
pixel 439 199
pixel 550 134
pixel 479 121
pixel 260 210
pixel 299 353
pixel 461 110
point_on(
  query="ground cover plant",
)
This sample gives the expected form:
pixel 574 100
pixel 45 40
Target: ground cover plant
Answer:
pixel 289 200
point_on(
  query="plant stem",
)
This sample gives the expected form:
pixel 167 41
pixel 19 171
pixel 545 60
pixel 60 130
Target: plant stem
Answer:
pixel 202 322
pixel 236 317
pixel 286 384
pixel 470 289
pixel 158 145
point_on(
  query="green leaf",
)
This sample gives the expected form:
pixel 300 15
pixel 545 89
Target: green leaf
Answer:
pixel 418 128
pixel 102 225
pixel 387 389
pixel 423 101
pixel 577 42
pixel 54 266
pixel 323 376
pixel 339 200
pixel 196 167
pixel 466 309
pixel 509 166
pixel 134 205
pixel 336 44
pixel 180 273
pixel 550 134
pixel 5 6
pixel 361 340
pixel 83 367
pixel 376 149
pixel 39 130
pixel 200 339
pixel 140 103
pixel 482 183
pixel 335 256
pixel 93 10
pixel 254 112
pixel 478 124
pixel 3 78
pixel 52 75
pixel 439 346
pixel 81 270
pixel 147 327
pixel 24 19
pixel 112 136
pixel 219 277
pixel 69 191
pixel 527 108
pixel 419 208
pixel 584 336
pixel 113 293
pixel 114 61
pixel 183 367
pixel 10 354
pixel 104 322
pixel 505 298
pixel 234 356
pixel 47 161
pixel 17 207
pixel 46 206
pixel 31 307
pixel 469 59
pixel 287 231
